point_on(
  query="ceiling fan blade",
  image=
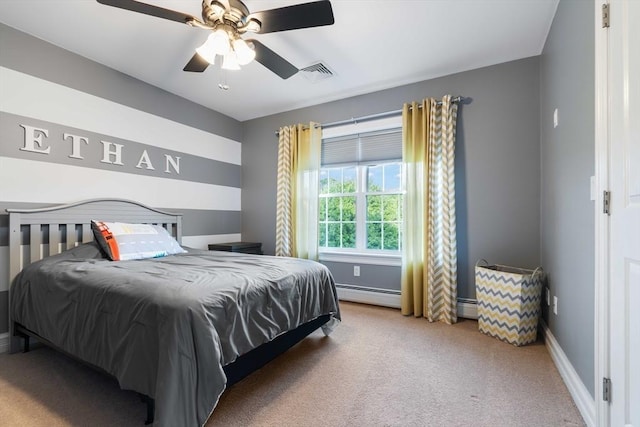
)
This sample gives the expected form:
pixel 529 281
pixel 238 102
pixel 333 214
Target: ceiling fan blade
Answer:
pixel 273 61
pixel 305 15
pixel 149 9
pixel 196 64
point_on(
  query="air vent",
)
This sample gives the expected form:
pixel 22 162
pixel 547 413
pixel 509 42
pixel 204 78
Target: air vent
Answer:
pixel 316 72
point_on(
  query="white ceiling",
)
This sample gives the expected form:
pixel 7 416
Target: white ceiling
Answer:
pixel 373 45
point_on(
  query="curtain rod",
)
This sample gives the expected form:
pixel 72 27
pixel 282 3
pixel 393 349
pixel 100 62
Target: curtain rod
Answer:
pixel 375 116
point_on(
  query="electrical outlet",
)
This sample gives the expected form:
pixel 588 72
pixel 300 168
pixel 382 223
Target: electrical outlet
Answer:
pixel 356 270
pixel 548 294
pixel 555 305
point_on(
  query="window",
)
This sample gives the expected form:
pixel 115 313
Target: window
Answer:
pixel 360 202
pixel 337 207
pixel 384 206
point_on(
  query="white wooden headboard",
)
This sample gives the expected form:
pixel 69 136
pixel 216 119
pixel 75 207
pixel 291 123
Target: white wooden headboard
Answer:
pixel 35 234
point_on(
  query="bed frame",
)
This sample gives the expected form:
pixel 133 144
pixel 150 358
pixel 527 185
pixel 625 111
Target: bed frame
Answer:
pixel 35 234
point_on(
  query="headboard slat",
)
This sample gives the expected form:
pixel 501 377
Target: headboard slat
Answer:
pixel 87 233
pixel 71 236
pixel 54 239
pixel 35 243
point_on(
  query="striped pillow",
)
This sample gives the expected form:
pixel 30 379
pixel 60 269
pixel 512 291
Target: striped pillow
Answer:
pixel 123 241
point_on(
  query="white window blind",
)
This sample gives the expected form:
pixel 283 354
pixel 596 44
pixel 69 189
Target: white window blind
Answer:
pixel 363 147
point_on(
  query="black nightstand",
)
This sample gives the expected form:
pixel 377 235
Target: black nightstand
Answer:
pixel 243 247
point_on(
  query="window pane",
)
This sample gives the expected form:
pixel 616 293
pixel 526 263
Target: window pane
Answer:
pixel 348 208
pixel 335 180
pixel 349 180
pixel 390 236
pixel 392 177
pixel 322 209
pixel 333 237
pixel 390 207
pixel 333 208
pixel 374 235
pixel 374 208
pixel 374 178
pixel 349 235
pixel 322 234
pixel 324 181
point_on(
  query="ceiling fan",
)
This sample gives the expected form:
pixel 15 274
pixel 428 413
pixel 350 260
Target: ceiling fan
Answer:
pixel 229 20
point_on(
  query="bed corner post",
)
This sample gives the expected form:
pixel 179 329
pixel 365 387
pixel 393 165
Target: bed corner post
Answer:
pixel 14 269
pixel 151 408
pixel 179 229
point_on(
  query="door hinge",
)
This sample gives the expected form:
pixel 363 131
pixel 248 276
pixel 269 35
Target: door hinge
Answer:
pixel 605 15
pixel 606 389
pixel 606 202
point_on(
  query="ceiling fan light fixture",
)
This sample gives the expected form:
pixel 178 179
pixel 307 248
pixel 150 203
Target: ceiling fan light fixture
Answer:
pixel 244 53
pixel 219 41
pixel 216 44
pixel 207 52
pixel 230 61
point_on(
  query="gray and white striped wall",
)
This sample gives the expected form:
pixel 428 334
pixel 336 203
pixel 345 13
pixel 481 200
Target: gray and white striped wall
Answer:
pixel 72 129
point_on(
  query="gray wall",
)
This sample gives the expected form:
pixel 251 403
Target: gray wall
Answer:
pixel 371 276
pixel 567 161
pixel 497 163
pixel 61 76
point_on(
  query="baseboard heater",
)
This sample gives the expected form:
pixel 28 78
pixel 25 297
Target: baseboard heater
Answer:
pixel 467 308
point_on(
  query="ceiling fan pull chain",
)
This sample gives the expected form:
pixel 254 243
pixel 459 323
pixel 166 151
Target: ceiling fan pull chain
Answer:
pixel 223 83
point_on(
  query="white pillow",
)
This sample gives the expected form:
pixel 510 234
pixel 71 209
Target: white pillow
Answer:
pixel 123 241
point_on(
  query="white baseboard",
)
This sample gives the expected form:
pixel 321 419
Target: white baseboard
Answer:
pixel 368 296
pixel 581 396
pixel 466 309
pixel 4 342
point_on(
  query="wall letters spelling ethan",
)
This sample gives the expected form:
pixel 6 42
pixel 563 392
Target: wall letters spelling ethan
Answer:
pixel 36 140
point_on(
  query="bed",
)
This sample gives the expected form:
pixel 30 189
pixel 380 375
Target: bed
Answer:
pixel 177 329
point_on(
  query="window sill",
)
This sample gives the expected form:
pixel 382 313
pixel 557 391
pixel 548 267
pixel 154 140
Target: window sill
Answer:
pixel 362 258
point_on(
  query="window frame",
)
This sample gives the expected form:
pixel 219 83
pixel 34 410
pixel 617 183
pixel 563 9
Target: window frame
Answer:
pixel 361 254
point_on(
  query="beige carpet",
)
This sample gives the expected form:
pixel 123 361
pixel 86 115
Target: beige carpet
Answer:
pixel 378 368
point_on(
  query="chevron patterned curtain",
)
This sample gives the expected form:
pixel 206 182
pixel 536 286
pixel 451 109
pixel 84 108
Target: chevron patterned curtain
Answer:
pixel 429 252
pixel 297 191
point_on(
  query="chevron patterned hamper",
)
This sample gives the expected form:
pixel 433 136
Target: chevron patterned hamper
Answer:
pixel 508 302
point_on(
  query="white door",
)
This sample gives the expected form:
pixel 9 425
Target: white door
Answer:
pixel 624 180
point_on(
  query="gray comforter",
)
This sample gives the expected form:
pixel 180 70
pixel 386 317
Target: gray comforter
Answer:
pixel 165 327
